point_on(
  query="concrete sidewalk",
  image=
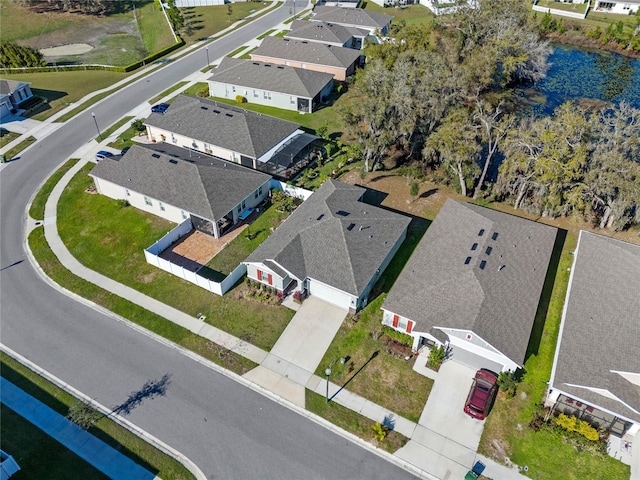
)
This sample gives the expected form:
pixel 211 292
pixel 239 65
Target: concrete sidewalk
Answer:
pixel 94 451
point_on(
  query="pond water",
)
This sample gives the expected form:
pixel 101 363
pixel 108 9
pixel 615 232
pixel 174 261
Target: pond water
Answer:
pixel 576 73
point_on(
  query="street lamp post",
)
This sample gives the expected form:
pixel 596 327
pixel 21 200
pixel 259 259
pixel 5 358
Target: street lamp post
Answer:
pixel 327 372
pixel 294 7
pixel 97 128
pixel 206 49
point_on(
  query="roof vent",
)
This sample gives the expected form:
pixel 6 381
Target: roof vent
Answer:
pixel 342 213
pixel 267 65
pixel 175 162
pixel 483 263
pixel 155 155
pixel 370 236
pixel 494 236
pixel 216 112
pixel 255 63
pixel 280 67
pixel 320 216
pixel 501 267
pixel 204 108
pixel 229 115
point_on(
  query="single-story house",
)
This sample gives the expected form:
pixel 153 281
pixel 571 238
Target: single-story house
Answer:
pixel 333 246
pixel 269 84
pixel 230 133
pixel 12 94
pixel 341 3
pixel 178 184
pixel 596 369
pixel 474 283
pixel 328 34
pixel 338 61
pixel 353 17
pixel 627 7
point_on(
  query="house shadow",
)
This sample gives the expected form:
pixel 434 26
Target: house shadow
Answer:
pixel 545 296
pixel 374 197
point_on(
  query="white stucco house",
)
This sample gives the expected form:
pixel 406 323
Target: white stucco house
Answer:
pixel 12 94
pixel 474 283
pixel 261 142
pixel 177 185
pixel 333 246
pixel 596 369
pixel 273 85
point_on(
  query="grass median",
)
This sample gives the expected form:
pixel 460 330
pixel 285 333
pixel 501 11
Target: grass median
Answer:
pixel 45 458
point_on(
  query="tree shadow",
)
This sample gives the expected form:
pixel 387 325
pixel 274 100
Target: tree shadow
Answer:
pixel 335 136
pixel 150 390
pixel 428 193
pixel 373 355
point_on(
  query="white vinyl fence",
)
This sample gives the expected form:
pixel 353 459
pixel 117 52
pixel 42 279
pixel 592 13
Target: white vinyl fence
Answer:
pixel 290 190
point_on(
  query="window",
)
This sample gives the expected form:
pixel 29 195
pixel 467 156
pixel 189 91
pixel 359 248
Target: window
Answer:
pixel 161 206
pixel 267 95
pixel 148 201
pixel 402 324
pixel 292 100
pixel 239 208
pixel 233 89
pixel 255 195
pixel 255 94
pixel 126 190
pixel 184 215
pixel 260 191
pixel 244 205
pixel 173 138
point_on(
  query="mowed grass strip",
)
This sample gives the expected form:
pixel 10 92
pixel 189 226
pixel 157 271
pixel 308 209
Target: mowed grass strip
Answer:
pixel 39 455
pixel 136 314
pixel 409 14
pixel 207 21
pixel 114 127
pixel 7 137
pixel 36 210
pixel 371 371
pixel 507 428
pixel 13 152
pixel 167 92
pixel 154 29
pixel 110 238
pixel 352 422
pixel 105 429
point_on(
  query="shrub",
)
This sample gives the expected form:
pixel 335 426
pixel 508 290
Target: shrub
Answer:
pixel 203 92
pixel 82 414
pixel 574 424
pixel 297 296
pixel 507 381
pixel 138 125
pixel 240 99
pixel 379 431
pixel 401 337
pixel 436 357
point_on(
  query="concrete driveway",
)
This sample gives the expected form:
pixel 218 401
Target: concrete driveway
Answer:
pixel 299 350
pixel 445 441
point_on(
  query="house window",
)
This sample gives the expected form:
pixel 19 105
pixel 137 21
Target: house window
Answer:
pixel 184 215
pixel 260 191
pixel 264 276
pixel 267 95
pixel 255 195
pixel 239 209
pixel 161 206
pixel 292 100
pixel 255 94
pixel 173 138
pixel 126 190
pixel 148 201
pixel 402 324
pixel 233 89
pixel 244 205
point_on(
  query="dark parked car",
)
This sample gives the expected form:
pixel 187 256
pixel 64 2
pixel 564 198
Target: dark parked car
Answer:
pixel 124 150
pixel 482 394
pixel 102 154
pixel 160 108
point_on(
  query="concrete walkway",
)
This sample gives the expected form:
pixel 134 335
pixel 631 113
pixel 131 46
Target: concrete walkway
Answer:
pixel 94 451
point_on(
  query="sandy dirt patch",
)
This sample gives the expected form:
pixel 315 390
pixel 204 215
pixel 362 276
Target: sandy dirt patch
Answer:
pixel 70 49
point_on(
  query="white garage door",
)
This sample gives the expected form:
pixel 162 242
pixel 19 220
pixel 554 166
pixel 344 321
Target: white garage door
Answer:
pixel 331 295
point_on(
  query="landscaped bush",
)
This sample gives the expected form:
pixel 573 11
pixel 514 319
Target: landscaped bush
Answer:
pixel 400 337
pixel 436 357
pixel 507 381
pixel 240 99
pixel 574 424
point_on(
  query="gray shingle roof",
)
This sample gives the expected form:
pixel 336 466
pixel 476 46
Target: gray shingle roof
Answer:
pixel 199 184
pixel 351 16
pixel 438 288
pixel 302 51
pixel 323 238
pixel 8 86
pixel 323 32
pixel 601 330
pixel 251 134
pixel 271 77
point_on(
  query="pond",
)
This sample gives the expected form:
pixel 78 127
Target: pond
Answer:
pixel 576 73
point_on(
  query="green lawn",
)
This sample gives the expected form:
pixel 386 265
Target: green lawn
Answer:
pixel 266 34
pixel 384 379
pixel 36 448
pixel 153 26
pixel 207 21
pixel 169 90
pixel 351 422
pixel 104 134
pixel 13 152
pixel 36 210
pixel 39 455
pixel 409 14
pixel 7 137
pixel 110 238
pixel 568 7
pixel 64 88
pixel 240 247
pixel 545 452
pixel 124 139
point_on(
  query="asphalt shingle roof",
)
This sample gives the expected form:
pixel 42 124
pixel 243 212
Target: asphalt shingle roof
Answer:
pixel 351 16
pixel 251 134
pixel 271 77
pixel 200 184
pixel 323 32
pixel 490 283
pixel 601 331
pixel 8 86
pixel 334 238
pixel 302 51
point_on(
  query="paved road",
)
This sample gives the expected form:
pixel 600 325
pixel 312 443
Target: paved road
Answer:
pixel 226 429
